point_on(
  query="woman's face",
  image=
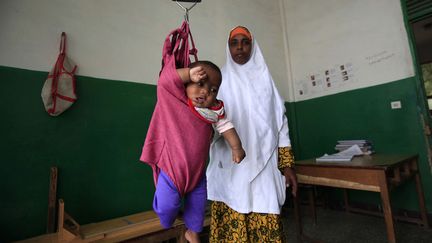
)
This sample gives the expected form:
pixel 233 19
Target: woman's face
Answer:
pixel 240 48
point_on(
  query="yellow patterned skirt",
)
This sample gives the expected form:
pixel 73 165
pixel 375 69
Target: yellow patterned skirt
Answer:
pixel 228 225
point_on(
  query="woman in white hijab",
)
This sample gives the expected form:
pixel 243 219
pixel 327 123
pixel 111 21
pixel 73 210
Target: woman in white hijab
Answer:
pixel 247 197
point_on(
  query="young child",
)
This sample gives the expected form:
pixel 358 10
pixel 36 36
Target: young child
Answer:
pixel 178 141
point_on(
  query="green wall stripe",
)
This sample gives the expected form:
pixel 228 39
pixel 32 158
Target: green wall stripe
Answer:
pixel 96 145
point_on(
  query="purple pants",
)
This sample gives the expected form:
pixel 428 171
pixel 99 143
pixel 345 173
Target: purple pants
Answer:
pixel 167 203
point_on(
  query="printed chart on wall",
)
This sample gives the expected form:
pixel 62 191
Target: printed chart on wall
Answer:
pixel 352 45
pixel 332 78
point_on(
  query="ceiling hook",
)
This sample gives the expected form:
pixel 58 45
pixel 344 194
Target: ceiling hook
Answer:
pixel 186 16
pixel 186 10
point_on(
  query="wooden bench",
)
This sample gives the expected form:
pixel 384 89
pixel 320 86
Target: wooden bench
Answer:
pixel 144 225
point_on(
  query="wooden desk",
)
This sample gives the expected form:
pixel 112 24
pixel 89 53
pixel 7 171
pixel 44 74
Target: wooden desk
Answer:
pixel 376 173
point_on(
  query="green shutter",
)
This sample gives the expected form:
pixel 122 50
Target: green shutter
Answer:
pixel 417 9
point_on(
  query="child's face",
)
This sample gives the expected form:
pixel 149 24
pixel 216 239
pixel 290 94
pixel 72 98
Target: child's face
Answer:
pixel 240 48
pixel 203 93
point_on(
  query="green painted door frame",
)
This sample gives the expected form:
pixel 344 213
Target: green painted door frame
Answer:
pixel 414 11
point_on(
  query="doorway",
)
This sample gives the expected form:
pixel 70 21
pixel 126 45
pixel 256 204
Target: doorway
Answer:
pixel 422 31
pixel 419 15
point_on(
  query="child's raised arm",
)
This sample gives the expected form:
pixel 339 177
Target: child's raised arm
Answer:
pixel 194 74
pixel 234 142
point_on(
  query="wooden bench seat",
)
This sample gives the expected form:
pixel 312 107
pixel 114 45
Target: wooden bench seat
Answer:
pixel 144 225
pixel 132 226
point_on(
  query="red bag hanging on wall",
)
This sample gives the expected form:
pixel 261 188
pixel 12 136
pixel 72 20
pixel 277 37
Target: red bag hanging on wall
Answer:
pixel 58 92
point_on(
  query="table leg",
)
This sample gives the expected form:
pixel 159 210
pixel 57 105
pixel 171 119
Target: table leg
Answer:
pixel 346 200
pixel 311 195
pixel 388 215
pixel 421 200
pixel 298 217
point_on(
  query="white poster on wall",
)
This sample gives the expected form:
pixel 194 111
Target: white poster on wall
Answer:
pixel 344 45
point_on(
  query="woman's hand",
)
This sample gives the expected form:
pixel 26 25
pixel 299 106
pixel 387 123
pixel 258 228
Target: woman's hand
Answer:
pixel 291 179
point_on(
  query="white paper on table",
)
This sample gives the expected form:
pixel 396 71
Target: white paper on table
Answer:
pixel 344 156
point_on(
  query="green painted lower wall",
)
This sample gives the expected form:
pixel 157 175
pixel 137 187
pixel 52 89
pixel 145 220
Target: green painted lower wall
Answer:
pixel 95 144
pixel 317 124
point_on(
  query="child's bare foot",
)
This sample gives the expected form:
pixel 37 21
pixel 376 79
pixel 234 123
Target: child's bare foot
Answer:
pixel 192 237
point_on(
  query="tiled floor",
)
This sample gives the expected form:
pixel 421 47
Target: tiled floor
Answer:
pixel 334 226
pixel 341 227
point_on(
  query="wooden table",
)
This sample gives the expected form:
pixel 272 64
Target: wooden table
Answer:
pixel 377 173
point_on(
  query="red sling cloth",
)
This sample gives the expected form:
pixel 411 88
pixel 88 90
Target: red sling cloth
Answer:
pixel 177 141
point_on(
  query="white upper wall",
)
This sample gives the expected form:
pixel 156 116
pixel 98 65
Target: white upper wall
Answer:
pixel 122 40
pixel 301 40
pixel 341 45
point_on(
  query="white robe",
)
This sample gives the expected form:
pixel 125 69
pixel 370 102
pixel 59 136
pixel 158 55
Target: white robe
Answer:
pixel 256 109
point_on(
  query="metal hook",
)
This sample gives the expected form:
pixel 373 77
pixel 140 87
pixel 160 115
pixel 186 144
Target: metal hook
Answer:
pixel 186 16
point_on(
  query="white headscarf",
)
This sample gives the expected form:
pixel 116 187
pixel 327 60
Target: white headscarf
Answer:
pixel 256 109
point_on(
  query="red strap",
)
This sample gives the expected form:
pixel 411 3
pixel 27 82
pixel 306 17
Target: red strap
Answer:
pixel 57 69
pixel 177 46
pixel 67 98
pixel 193 51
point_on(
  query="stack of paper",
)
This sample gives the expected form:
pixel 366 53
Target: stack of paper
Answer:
pixel 364 145
pixel 343 156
